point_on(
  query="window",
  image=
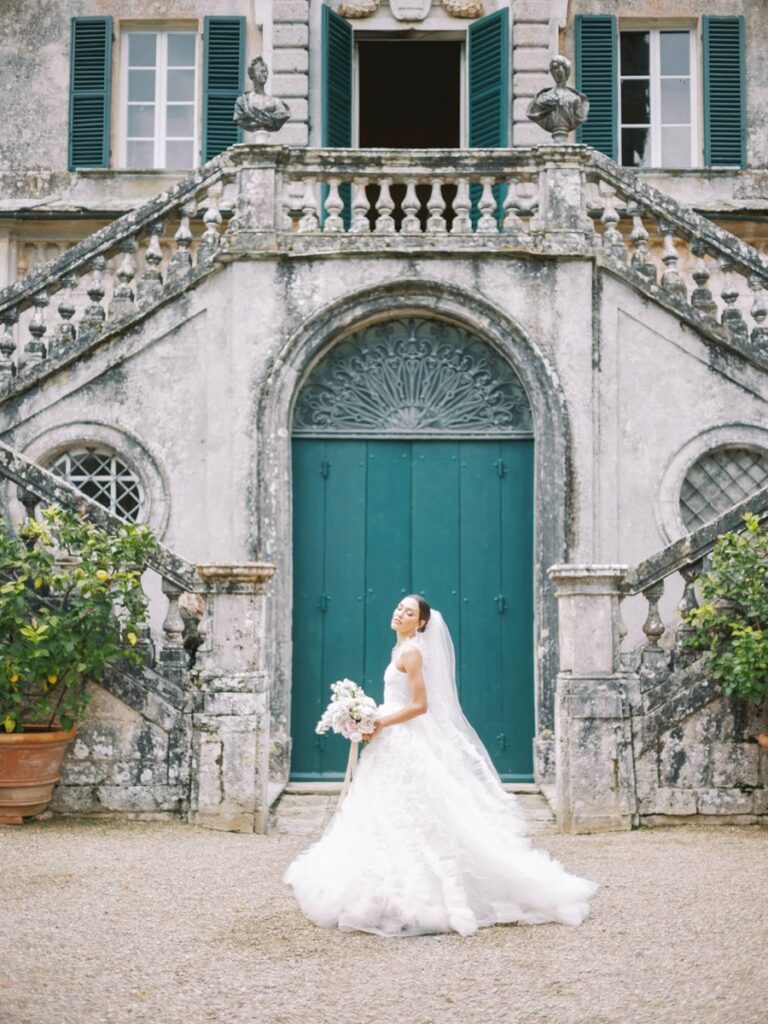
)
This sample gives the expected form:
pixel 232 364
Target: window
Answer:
pixel 664 96
pixel 159 109
pixel 103 476
pixel 169 114
pixel 720 479
pixel 656 98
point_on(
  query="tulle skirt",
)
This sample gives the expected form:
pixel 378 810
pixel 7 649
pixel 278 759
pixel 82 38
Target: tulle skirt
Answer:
pixel 422 844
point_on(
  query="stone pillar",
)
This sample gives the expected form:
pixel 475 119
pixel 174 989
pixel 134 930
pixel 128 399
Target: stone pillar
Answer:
pixel 258 211
pixel 561 221
pixel 593 743
pixel 230 722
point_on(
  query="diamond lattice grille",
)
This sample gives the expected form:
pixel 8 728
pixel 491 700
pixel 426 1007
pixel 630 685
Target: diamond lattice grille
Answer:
pixel 719 480
pixel 414 376
pixel 104 477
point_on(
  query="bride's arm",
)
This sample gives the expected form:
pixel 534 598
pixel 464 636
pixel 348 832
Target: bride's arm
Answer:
pixel 411 661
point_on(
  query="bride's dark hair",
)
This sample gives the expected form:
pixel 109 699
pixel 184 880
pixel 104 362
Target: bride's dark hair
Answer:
pixel 424 611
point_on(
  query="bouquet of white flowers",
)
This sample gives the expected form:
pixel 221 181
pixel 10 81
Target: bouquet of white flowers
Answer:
pixel 351 712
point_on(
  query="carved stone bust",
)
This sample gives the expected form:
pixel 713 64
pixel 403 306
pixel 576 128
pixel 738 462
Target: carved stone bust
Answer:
pixel 255 111
pixel 559 109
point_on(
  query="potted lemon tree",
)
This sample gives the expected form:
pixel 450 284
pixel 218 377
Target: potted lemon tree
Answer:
pixel 71 602
pixel 730 626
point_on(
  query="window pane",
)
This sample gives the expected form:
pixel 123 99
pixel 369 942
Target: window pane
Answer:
pixel 141 85
pixel 676 147
pixel 181 85
pixel 181 49
pixel 635 147
pixel 140 154
pixel 141 120
pixel 179 154
pixel 675 53
pixel 636 102
pixel 635 59
pixel 179 121
pixel 675 101
pixel 141 49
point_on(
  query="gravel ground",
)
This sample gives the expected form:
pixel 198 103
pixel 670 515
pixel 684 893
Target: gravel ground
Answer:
pixel 171 924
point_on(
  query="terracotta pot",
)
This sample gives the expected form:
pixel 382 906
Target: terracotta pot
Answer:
pixel 30 764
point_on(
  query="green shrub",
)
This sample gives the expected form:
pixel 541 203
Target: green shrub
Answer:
pixel 71 602
pixel 731 624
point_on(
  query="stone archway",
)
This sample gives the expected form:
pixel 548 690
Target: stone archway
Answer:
pixel 290 367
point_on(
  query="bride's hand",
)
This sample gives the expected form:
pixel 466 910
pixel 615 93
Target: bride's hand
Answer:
pixel 377 727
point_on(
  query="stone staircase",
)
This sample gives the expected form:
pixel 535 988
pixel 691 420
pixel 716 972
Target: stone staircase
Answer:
pixel 306 808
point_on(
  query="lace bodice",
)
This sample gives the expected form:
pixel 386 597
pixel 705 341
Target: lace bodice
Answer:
pixel 397 689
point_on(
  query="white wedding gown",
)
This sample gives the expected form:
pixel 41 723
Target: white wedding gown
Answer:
pixel 421 845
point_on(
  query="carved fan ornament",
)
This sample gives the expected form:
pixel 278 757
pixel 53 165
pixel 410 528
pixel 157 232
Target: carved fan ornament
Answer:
pixel 415 376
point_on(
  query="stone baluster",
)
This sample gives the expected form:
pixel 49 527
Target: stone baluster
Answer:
pixel 172 656
pixel 150 287
pixel 123 299
pixel 360 224
pixel 94 314
pixel 701 296
pixel 671 281
pixel 385 223
pixel 512 223
pixel 291 204
pixel 487 206
pixel 462 204
pixel 210 241
pixel 688 602
pixel 436 205
pixel 759 311
pixel 613 243
pixel 729 293
pixel 310 219
pixel 65 330
pixel 334 204
pixel 411 224
pixel 10 317
pixel 641 261
pixel 35 350
pixel 30 501
pixel 180 263
pixel 527 201
pixel 653 656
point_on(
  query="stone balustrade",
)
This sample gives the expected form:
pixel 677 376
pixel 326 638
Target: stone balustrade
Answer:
pixel 121 268
pixel 612 705
pixel 209 667
pixel 545 200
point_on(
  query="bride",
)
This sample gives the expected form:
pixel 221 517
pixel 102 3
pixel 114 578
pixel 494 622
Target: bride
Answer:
pixel 427 839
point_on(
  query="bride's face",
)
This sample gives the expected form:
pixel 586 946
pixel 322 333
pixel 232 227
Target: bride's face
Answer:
pixel 405 618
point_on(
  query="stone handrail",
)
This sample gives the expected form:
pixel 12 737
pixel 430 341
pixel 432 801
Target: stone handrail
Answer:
pixel 86 262
pixel 32 479
pixel 695 546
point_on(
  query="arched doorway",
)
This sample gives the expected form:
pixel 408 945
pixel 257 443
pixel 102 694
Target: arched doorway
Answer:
pixel 413 463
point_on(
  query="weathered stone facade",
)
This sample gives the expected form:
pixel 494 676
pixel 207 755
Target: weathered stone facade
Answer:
pixel 582 283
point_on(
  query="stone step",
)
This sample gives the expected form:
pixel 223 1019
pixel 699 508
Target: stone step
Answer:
pixel 308 811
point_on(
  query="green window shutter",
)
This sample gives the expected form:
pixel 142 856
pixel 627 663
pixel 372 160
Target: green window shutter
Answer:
pixel 597 76
pixel 337 79
pixel 488 60
pixel 725 142
pixel 223 74
pixel 90 79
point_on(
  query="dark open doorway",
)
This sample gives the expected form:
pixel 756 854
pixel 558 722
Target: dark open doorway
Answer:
pixel 410 94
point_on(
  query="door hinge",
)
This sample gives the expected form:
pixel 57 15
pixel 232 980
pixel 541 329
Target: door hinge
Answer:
pixel 325 469
pixel 323 603
pixel 501 743
pixel 501 468
pixel 501 604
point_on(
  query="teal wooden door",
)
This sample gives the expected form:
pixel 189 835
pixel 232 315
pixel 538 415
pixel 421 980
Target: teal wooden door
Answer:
pixel 377 519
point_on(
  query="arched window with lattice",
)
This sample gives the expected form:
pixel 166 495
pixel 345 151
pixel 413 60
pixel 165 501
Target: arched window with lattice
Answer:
pixel 102 475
